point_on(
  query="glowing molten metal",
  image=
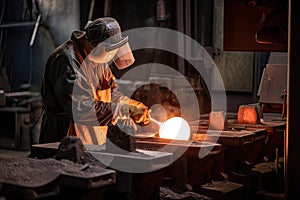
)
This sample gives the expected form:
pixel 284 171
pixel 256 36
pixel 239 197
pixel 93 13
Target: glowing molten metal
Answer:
pixel 175 128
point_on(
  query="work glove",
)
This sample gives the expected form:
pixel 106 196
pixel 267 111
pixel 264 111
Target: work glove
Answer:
pixel 131 109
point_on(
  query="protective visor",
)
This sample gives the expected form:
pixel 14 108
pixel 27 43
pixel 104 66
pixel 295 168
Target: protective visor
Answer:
pixel 124 57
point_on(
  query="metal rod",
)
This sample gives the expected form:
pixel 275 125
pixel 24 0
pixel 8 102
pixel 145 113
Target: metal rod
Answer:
pixel 107 8
pixel 12 25
pixel 35 29
pixel 91 11
pixel 155 121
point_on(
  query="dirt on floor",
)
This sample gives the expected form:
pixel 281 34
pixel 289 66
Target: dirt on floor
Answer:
pixel 29 172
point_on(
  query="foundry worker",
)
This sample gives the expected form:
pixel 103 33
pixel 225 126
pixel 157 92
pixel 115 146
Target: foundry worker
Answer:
pixel 79 93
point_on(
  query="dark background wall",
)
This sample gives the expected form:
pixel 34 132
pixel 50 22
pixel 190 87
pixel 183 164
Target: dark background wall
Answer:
pixel 25 64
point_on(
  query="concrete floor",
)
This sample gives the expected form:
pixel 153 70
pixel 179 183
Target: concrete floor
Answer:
pixel 14 153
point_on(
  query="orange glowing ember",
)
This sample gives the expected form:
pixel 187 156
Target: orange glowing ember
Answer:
pixel 175 128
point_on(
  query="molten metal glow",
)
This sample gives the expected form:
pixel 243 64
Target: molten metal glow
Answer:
pixel 175 128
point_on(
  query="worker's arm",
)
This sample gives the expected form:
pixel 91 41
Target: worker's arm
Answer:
pixel 123 106
pixel 76 95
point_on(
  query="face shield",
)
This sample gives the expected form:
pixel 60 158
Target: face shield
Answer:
pixel 105 35
pixel 124 57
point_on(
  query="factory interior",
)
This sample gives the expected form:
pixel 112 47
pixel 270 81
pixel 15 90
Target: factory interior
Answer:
pixel 202 105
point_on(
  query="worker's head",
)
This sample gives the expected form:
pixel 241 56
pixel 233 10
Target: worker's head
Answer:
pixel 106 37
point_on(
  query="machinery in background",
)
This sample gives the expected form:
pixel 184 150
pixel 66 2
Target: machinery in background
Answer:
pixel 273 89
pixel 19 114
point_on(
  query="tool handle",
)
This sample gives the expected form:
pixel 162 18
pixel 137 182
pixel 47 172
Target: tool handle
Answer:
pixel 155 121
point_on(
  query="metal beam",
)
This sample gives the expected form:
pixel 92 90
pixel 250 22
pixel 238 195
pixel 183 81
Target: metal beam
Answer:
pixel 292 156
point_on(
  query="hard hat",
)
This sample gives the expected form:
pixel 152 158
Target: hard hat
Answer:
pixel 105 30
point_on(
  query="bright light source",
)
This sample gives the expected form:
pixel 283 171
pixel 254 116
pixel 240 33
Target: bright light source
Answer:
pixel 175 128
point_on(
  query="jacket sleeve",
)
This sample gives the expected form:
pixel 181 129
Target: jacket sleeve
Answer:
pixel 116 95
pixel 75 94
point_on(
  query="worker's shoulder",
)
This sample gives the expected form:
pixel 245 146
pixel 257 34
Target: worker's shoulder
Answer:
pixel 64 51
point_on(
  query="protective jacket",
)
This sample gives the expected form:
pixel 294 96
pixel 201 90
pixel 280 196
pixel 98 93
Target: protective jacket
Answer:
pixel 78 94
